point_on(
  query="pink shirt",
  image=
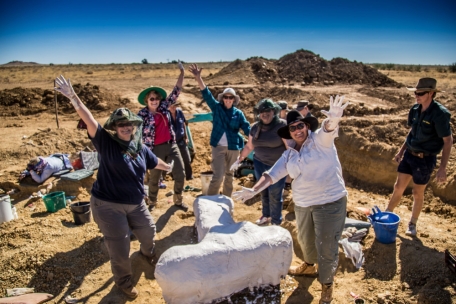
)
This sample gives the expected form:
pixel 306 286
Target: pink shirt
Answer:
pixel 162 133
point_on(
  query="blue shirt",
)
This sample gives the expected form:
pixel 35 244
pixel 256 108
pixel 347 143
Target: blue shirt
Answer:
pixel 228 121
pixel 179 125
pixel 120 178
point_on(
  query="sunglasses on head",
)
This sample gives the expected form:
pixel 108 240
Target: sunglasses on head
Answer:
pixel 124 124
pixel 297 127
pixel 230 97
pixel 420 93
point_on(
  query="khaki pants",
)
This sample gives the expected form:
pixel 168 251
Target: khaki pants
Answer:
pixel 167 152
pixel 222 159
pixel 319 231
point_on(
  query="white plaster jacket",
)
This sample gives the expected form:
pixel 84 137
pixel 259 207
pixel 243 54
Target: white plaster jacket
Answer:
pixel 316 170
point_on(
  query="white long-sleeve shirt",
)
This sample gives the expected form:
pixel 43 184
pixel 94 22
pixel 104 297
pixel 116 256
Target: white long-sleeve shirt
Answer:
pixel 54 164
pixel 316 170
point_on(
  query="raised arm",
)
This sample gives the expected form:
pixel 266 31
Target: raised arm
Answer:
pixel 180 79
pixel 197 74
pixel 64 86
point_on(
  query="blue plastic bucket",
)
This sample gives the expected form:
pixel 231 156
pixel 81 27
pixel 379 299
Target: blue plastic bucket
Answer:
pixel 385 226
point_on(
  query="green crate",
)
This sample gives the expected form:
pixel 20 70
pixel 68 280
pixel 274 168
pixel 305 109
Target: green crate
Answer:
pixel 54 201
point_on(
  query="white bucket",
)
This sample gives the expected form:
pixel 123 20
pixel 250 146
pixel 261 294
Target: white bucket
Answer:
pixel 6 212
pixel 206 178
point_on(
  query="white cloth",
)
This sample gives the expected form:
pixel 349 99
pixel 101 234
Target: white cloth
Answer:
pixel 316 170
pixel 223 141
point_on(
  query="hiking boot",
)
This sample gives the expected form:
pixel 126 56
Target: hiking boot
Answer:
pixel 130 292
pixel 182 206
pixel 262 220
pixel 151 204
pixel 326 293
pixel 303 269
pixel 411 230
pixel 151 260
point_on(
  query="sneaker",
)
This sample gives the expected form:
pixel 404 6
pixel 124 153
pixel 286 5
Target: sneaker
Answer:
pixel 303 269
pixel 161 185
pixel 130 292
pixel 262 220
pixel 411 230
pixel 326 293
pixel 182 206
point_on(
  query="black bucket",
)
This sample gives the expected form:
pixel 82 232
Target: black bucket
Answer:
pixel 81 212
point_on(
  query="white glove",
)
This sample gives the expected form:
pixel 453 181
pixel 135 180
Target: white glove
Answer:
pixel 181 66
pixel 336 109
pixel 67 90
pixel 244 194
pixel 171 165
pixel 236 164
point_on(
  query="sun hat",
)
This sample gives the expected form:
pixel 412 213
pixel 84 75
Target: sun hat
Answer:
pixel 283 104
pixel 267 104
pixel 426 84
pixel 122 114
pixel 229 91
pixel 301 105
pixel 294 116
pixel 143 94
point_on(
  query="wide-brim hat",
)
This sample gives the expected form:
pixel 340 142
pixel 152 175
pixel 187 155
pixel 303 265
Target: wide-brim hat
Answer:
pixel 122 114
pixel 143 94
pixel 267 104
pixel 426 84
pixel 229 91
pixel 294 116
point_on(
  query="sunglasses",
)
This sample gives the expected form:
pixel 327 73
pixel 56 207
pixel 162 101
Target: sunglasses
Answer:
pixel 153 98
pixel 297 127
pixel 420 93
pixel 228 97
pixel 124 124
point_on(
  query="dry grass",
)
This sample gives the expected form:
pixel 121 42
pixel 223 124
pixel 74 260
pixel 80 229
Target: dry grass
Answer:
pixel 445 81
pixel 93 72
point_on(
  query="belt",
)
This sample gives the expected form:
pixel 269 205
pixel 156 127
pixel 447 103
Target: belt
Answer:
pixel 166 142
pixel 418 154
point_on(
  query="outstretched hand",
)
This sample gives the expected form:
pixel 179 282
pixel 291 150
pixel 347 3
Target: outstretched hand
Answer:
pixel 193 68
pixel 180 65
pixel 244 194
pixel 64 86
pixel 336 108
pixel 235 165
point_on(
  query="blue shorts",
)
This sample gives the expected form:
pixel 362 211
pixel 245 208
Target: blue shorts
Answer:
pixel 419 168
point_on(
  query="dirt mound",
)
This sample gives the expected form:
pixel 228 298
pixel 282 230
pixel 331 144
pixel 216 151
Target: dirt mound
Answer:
pixel 304 67
pixel 29 101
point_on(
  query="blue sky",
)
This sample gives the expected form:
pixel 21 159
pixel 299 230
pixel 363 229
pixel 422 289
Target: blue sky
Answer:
pixel 60 32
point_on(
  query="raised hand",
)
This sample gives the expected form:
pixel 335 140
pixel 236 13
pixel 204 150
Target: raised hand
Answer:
pixel 193 68
pixel 244 194
pixel 64 86
pixel 336 108
pixel 181 66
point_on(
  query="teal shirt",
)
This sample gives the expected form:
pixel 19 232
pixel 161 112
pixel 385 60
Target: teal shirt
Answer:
pixel 428 128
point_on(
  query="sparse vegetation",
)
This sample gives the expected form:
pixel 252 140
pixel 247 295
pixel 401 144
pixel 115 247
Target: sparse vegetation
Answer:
pixel 452 67
pixel 144 61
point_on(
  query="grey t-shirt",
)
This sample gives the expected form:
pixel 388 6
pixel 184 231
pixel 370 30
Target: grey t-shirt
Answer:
pixel 268 146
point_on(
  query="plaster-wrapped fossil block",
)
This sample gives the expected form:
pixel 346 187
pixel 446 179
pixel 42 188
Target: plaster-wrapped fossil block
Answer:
pixel 229 257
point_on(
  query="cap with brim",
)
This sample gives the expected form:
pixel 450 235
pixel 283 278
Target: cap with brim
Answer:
pixel 229 91
pixel 122 114
pixel 301 105
pixel 426 84
pixel 294 116
pixel 283 104
pixel 143 94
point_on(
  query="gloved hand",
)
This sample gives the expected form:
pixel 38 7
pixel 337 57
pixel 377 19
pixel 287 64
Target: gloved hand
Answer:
pixel 235 165
pixel 171 165
pixel 336 109
pixel 67 90
pixel 244 194
pixel 181 66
